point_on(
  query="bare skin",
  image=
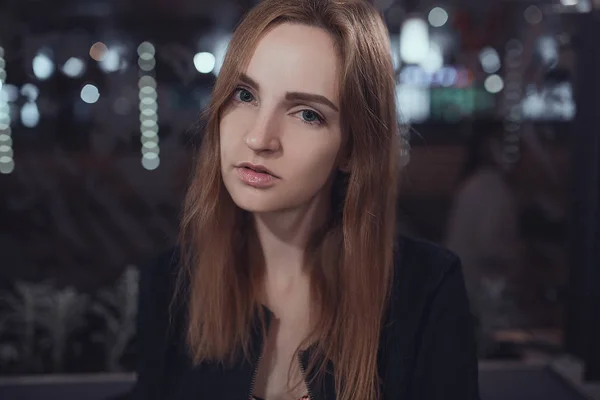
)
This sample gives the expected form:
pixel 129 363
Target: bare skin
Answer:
pixel 298 140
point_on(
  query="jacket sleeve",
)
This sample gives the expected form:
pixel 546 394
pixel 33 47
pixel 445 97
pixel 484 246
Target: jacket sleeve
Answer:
pixel 152 327
pixel 446 365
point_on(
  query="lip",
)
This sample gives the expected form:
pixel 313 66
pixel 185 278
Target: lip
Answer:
pixel 255 176
pixel 257 168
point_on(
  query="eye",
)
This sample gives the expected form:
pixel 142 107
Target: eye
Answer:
pixel 243 95
pixel 311 117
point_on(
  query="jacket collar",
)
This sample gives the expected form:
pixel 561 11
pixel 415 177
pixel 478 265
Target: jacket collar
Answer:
pixel 388 354
pixel 319 389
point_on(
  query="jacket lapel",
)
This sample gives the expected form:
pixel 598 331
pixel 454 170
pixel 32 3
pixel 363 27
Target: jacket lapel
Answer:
pixel 206 380
pixel 390 356
pixel 319 389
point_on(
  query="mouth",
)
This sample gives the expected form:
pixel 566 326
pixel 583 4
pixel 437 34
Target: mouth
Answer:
pixel 256 168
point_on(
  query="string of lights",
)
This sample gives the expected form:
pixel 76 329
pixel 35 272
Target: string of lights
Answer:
pixel 7 162
pixel 512 100
pixel 148 107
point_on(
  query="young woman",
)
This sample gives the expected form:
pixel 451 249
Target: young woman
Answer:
pixel 291 281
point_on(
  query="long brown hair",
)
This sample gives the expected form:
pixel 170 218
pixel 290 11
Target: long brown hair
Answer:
pixel 352 256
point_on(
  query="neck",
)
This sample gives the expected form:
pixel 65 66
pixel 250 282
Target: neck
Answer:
pixel 284 235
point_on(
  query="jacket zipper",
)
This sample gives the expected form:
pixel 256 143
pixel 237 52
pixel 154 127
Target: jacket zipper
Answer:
pixel 253 382
pixel 310 395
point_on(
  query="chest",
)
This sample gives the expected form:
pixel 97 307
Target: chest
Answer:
pixel 245 378
pixel 279 373
pixel 264 374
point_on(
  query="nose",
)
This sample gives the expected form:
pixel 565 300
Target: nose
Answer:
pixel 262 135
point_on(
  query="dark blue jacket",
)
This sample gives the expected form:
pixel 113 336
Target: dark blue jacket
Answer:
pixel 427 349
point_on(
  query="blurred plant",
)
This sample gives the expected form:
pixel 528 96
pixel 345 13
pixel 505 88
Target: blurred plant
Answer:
pixel 36 316
pixel 497 301
pixel 8 354
pixel 8 351
pixel 61 314
pixel 21 318
pixel 496 310
pixel 117 307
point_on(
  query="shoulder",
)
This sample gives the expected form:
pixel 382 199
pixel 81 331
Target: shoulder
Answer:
pixel 423 259
pixel 158 283
pixel 155 338
pixel 160 272
pixel 421 268
pixel 435 330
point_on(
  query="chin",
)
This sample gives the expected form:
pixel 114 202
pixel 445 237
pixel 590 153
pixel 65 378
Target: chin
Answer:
pixel 256 204
pixel 254 200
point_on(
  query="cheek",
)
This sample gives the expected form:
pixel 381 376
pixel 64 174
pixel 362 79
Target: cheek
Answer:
pixel 316 161
pixel 230 128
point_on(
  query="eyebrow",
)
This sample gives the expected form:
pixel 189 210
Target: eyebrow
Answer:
pixel 249 81
pixel 315 98
pixel 293 96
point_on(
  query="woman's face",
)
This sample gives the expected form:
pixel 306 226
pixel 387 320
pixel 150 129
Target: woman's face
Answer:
pixel 283 117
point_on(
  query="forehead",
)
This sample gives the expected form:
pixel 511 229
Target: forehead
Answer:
pixel 296 58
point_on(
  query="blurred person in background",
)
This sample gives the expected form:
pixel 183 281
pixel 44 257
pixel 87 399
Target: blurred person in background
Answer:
pixel 291 280
pixel 483 230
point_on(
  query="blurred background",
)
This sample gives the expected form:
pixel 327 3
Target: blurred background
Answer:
pixel 99 119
